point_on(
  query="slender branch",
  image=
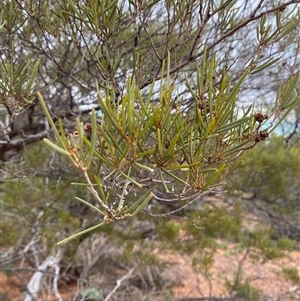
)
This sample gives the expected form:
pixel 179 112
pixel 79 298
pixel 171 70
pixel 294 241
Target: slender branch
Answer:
pixel 191 58
pixel 119 282
pixel 19 143
pixel 182 207
pixel 151 41
pixel 296 126
pixel 95 193
pixel 257 8
pixel 55 282
pixel 4 131
pixel 34 284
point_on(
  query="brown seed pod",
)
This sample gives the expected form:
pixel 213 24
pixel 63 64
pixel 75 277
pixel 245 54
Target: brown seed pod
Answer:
pixel 259 117
pixel 88 129
pixel 263 135
pixel 204 105
pixel 87 126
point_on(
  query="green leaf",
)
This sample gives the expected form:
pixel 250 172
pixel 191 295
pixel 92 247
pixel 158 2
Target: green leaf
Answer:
pixel 45 109
pixel 267 64
pixel 90 205
pixel 32 77
pixel 232 125
pixel 113 17
pixel 81 233
pixel 56 148
pixel 140 203
pixel 93 137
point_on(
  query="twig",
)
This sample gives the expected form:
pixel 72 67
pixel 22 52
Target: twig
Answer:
pixel 191 58
pixel 4 131
pixel 19 143
pixel 119 282
pixel 55 286
pixel 95 194
pixel 179 209
pixel 34 284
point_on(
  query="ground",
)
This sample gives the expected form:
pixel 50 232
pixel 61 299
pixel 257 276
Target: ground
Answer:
pixel 266 276
pixel 179 278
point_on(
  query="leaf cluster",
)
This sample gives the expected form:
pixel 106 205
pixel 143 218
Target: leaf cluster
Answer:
pixel 140 146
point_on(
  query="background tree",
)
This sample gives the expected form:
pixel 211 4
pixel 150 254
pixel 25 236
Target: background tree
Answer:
pixel 271 173
pixel 75 45
pixel 142 98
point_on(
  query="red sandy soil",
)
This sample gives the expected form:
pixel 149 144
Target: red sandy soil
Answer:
pixel 266 276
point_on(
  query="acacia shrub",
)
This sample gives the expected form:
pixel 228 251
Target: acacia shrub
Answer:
pixel 271 173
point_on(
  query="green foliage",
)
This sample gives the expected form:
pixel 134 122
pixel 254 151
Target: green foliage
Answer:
pixel 216 223
pixel 138 141
pixel 170 130
pixel 77 28
pixel 148 131
pixel 168 295
pixel 142 256
pixel 291 274
pixel 203 261
pixel 247 292
pixel 199 236
pixel 37 201
pixel 124 144
pixel 91 294
pixel 7 270
pixel 287 244
pixel 270 170
pixel 168 231
pixel 263 246
pixel 26 202
pixel 193 149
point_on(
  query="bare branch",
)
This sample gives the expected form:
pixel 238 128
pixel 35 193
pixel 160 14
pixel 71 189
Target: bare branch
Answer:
pixel 34 284
pixel 169 214
pixel 119 282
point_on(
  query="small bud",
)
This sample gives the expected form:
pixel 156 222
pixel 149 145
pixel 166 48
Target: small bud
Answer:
pixel 263 135
pixel 259 117
pixel 88 129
